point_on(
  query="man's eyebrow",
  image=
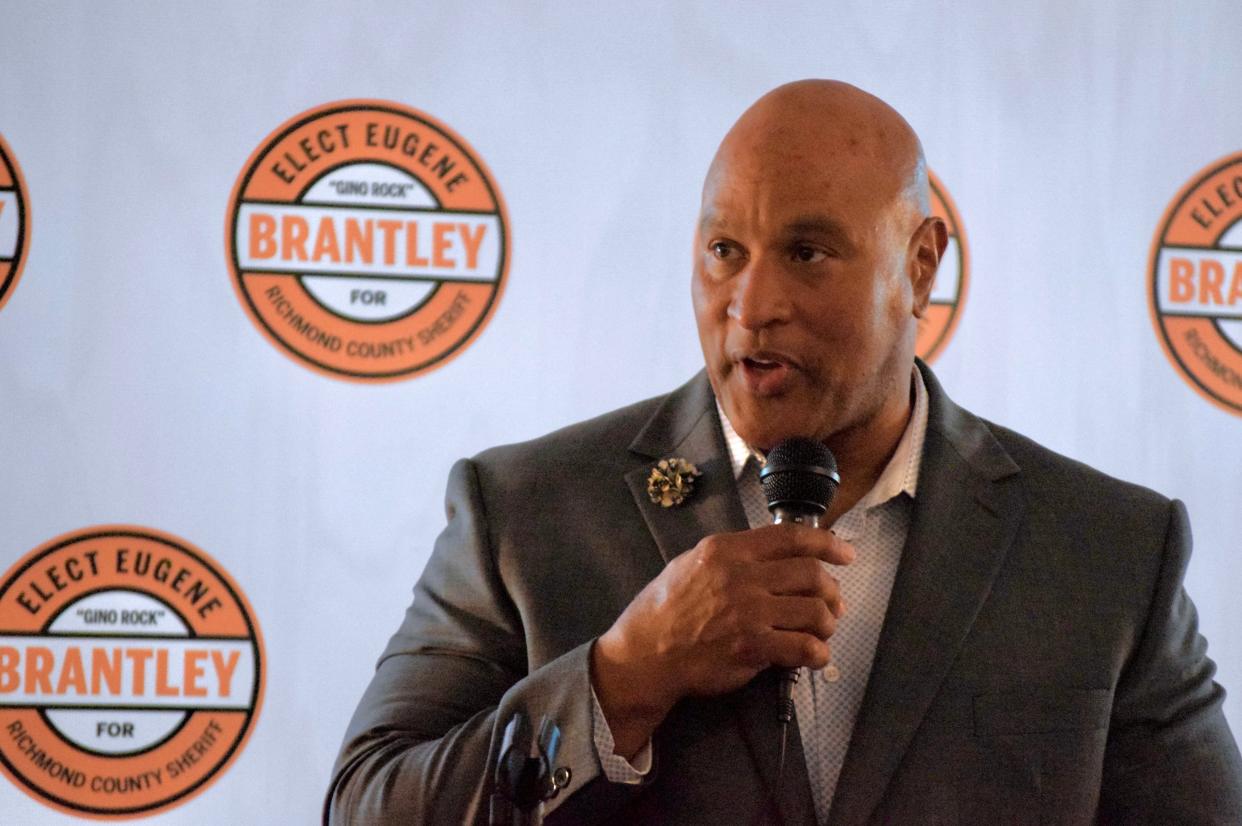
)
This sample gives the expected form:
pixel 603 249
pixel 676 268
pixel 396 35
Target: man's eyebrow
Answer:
pixel 804 224
pixel 821 226
pixel 816 224
pixel 709 221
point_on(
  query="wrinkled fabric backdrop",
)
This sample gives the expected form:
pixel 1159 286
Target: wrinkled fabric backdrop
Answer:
pixel 135 389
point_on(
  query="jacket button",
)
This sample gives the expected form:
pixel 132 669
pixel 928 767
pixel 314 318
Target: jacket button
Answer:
pixel 561 776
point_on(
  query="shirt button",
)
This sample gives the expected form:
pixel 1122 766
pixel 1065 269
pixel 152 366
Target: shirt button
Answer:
pixel 832 673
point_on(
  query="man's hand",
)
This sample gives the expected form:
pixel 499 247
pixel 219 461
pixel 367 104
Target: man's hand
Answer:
pixel 715 617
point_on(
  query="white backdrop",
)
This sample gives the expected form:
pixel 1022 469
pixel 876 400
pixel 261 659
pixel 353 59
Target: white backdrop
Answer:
pixel 134 389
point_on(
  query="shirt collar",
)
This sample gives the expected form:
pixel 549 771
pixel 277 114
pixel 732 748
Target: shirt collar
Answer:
pixel 900 475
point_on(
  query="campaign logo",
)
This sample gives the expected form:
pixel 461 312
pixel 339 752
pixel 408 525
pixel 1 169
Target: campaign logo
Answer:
pixel 14 221
pixel 1195 272
pixel 367 240
pixel 131 671
pixel 948 295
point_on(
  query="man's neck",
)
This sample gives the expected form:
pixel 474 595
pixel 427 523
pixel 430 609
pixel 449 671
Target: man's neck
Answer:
pixel 864 451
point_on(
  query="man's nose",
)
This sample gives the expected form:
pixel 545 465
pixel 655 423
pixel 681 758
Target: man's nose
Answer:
pixel 761 296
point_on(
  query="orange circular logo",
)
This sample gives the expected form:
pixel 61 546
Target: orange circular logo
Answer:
pixel 1195 272
pixel 949 292
pixel 131 671
pixel 14 221
pixel 367 240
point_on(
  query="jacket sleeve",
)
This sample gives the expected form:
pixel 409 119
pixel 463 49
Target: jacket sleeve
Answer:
pixel 1170 756
pixel 422 744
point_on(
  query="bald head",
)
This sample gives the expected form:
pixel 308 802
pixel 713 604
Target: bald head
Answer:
pixel 813 123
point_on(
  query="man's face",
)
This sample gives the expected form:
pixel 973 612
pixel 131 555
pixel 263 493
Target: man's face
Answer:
pixel 803 291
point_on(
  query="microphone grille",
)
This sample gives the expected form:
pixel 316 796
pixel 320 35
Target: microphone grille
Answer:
pixel 800 473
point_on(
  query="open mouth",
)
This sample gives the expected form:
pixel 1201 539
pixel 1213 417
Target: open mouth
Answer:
pixel 762 365
pixel 766 374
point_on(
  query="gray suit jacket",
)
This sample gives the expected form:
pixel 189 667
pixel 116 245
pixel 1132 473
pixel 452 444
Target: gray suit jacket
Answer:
pixel 1039 662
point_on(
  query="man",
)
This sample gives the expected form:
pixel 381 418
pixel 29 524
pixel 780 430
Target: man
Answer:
pixel 996 634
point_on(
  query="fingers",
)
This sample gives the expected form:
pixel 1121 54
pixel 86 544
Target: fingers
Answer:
pixel 791 540
pixel 802 577
pixel 806 614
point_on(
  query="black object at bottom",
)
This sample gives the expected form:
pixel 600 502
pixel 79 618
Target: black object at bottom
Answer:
pixel 524 774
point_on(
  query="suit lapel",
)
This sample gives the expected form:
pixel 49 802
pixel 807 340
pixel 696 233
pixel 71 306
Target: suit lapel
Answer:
pixel 967 509
pixel 686 426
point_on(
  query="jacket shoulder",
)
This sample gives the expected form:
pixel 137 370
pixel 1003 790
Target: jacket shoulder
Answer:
pixel 1075 484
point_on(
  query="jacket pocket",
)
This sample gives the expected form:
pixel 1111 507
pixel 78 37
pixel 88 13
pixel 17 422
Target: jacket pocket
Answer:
pixel 1042 710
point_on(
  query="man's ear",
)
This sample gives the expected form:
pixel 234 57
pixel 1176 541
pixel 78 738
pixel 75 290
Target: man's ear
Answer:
pixel 927 245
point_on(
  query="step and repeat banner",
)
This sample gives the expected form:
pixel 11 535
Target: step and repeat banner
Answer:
pixel 267 270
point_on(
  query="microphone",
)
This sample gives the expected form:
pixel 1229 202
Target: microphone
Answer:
pixel 799 480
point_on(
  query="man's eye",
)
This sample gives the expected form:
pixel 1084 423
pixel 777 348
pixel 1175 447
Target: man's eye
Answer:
pixel 722 250
pixel 805 254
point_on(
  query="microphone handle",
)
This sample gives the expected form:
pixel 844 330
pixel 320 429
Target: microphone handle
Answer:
pixel 790 676
pixel 782 514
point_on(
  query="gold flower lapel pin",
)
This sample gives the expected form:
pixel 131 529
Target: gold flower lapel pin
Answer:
pixel 671 481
